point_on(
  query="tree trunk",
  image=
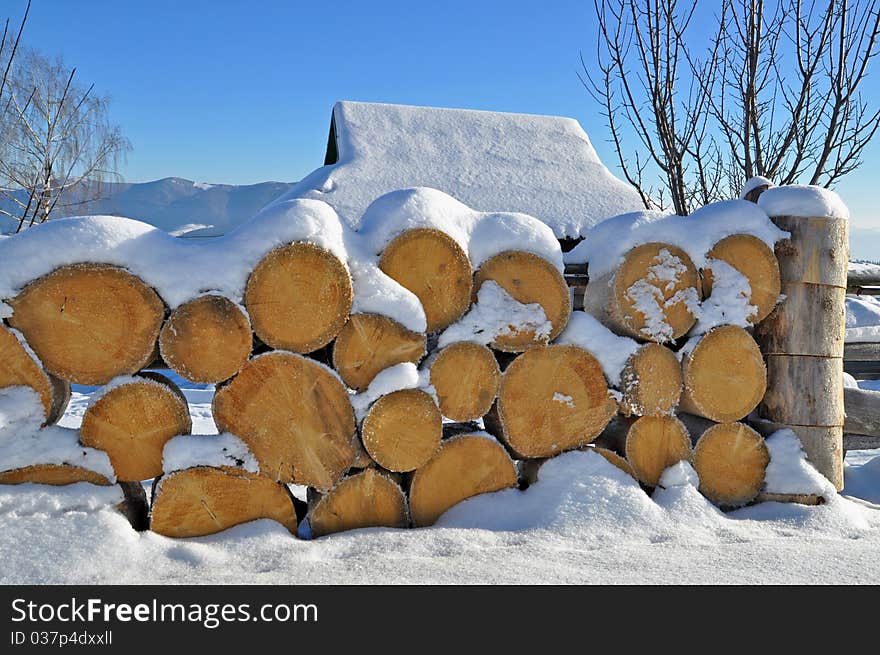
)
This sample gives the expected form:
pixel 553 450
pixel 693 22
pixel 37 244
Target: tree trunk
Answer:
pixel 370 343
pixel 206 340
pixel 89 323
pixel 298 297
pixel 731 459
pixel 132 423
pixel 466 378
pixel 804 391
pixel 463 467
pixel 650 382
pixel 18 368
pixel 653 444
pixel 368 499
pixel 402 430
pixel 294 415
pixel 756 261
pixel 527 278
pixel 204 500
pixel 724 375
pixel 551 399
pixel 810 321
pixel 434 267
pixel 650 296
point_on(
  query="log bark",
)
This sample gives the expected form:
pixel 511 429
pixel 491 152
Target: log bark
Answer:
pixel 370 343
pixel 89 323
pixel 816 253
pixel 653 444
pixel 731 460
pixel 402 430
pixel 804 391
pixel 551 399
pixel 757 262
pixel 133 421
pixel 18 368
pixel 811 320
pixel 724 375
pixel 862 412
pixel 206 340
pixel 298 297
pixel 823 445
pixel 620 299
pixel 528 279
pixel 466 377
pixel 294 415
pixel 368 499
pixel 651 382
pixel 434 267
pixel 463 467
pixel 203 500
pixel 799 499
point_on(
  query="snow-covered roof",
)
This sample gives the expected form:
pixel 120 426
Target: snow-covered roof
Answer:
pixel 544 166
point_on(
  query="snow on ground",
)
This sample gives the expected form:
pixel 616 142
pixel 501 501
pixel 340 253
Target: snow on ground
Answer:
pixel 583 522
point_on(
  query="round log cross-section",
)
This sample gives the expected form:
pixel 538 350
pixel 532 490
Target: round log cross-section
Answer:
pixel 368 499
pixel 18 368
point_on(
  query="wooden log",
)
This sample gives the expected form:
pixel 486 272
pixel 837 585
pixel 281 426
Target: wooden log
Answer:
pixel 206 340
pixel 731 460
pixel 804 391
pixel 799 499
pixel 466 377
pixel 724 375
pixel 298 297
pixel 133 421
pixel 817 251
pixel 823 445
pixel 402 430
pixel 434 267
pixel 811 320
pixel 203 500
pixel 862 411
pixel 368 499
pixel 551 399
pixel 757 262
pixel 859 442
pixel 294 415
pixel 528 279
pixel 651 382
pixel 18 368
pixel 463 467
pixel 370 343
pixel 52 474
pixel 653 444
pixel 362 459
pixel 638 300
pixel 614 459
pixel 865 352
pixel 89 323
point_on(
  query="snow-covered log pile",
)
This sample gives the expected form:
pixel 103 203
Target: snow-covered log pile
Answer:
pixel 395 371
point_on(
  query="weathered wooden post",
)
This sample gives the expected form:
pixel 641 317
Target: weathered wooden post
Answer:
pixel 802 339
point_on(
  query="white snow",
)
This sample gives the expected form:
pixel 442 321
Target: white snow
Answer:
pixel 862 319
pixel 728 304
pixel 543 166
pixel 376 293
pixel 803 201
pixel 612 351
pixel 394 378
pixel 496 314
pixel 754 183
pixel 849 382
pixel 605 245
pixel 225 449
pixel 789 471
pixel 679 474
pixel 563 399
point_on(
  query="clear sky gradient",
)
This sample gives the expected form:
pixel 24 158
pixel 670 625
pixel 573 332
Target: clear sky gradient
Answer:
pixel 241 92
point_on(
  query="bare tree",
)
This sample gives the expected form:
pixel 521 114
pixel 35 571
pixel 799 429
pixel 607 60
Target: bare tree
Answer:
pixel 776 91
pixel 58 146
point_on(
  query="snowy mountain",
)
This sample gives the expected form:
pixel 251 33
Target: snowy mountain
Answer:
pixel 182 206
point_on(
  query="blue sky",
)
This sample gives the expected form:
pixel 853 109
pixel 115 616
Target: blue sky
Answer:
pixel 241 92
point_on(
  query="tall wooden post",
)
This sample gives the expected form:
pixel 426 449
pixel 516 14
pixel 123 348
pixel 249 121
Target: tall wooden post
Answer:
pixel 802 339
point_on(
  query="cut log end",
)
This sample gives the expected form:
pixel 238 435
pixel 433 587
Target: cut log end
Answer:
pixel 294 415
pixel 369 499
pixel 731 460
pixel 200 501
pixel 298 297
pixel 650 382
pixel 528 279
pixel 552 399
pixel 132 423
pixel 18 368
pixel 466 377
pixel 757 262
pixel 463 467
pixel 89 323
pixel 434 267
pixel 615 460
pixel 653 444
pixel 52 474
pixel 724 375
pixel 206 340
pixel 402 430
pixel 370 343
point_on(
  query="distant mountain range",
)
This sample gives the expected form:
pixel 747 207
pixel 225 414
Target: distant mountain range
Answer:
pixel 183 207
